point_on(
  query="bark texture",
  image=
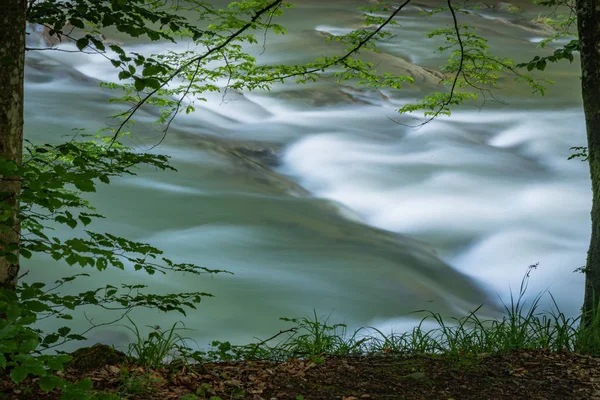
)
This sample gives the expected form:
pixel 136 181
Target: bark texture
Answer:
pixel 12 65
pixel 588 24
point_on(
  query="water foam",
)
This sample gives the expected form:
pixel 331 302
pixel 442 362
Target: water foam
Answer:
pixel 500 181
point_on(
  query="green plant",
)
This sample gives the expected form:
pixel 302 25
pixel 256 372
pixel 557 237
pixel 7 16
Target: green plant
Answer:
pixel 155 349
pixel 135 383
pixel 587 337
pixel 522 326
pixel 315 336
pixel 19 342
pixel 54 180
pixel 237 393
pixel 105 396
pixel 204 390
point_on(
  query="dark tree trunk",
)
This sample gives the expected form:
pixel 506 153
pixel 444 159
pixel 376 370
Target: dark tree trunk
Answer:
pixel 12 65
pixel 588 24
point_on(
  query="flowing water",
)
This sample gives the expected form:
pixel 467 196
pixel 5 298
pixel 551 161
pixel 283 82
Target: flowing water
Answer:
pixel 362 217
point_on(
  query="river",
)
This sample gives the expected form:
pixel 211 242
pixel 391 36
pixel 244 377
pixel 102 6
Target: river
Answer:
pixel 360 217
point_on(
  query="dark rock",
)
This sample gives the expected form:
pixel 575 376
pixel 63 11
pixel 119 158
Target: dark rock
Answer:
pixel 95 357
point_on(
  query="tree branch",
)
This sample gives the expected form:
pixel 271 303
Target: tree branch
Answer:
pixel 221 46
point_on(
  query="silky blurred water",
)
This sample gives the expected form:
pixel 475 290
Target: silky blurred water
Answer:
pixel 442 217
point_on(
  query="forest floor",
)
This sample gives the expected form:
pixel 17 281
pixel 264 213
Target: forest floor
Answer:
pixel 521 374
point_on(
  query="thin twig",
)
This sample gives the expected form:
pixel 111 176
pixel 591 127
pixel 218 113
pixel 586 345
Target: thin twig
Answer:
pixel 257 345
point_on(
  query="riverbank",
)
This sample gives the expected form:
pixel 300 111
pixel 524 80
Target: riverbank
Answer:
pixel 527 354
pixel 519 374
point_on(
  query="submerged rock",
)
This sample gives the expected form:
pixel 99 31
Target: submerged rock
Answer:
pixel 332 96
pixel 533 27
pixel 399 66
pixel 254 159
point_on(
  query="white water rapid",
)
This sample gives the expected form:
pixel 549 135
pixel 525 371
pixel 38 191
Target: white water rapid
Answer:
pixel 443 217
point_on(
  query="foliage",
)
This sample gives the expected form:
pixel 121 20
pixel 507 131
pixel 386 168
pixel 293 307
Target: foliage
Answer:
pixel 563 53
pixel 308 338
pixel 54 180
pixel 217 43
pixel 135 383
pixel 158 347
pixel 563 26
pixel 471 71
pixel 19 342
pixel 588 336
pixel 105 396
pixel 315 337
pixel 522 326
pixel 579 152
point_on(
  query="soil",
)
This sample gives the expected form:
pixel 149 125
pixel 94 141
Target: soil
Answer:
pixel 523 374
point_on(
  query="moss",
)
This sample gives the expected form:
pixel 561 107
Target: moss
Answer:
pixel 466 363
pixel 97 356
pixel 415 376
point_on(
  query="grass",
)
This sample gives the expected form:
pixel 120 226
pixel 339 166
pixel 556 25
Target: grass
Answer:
pixel 159 346
pixel 523 326
pixel 469 347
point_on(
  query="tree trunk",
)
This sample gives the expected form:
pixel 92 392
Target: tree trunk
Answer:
pixel 12 65
pixel 588 24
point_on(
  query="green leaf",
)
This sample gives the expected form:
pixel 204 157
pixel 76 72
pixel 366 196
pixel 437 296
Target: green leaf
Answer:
pixel 47 383
pixel 541 65
pixel 18 374
pixel 11 258
pixel 85 384
pixel 29 345
pixel 101 263
pixel 13 311
pixel 57 363
pixel 152 83
pixel 36 306
pixel 150 70
pixel 84 220
pixel 71 259
pixel 139 84
pixel 117 49
pixel 50 339
pixel 8 332
pixel 85 185
pixel 82 43
pixel 98 43
pixel 64 331
pixel 76 22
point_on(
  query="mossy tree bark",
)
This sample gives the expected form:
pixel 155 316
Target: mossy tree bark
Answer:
pixel 588 24
pixel 12 66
